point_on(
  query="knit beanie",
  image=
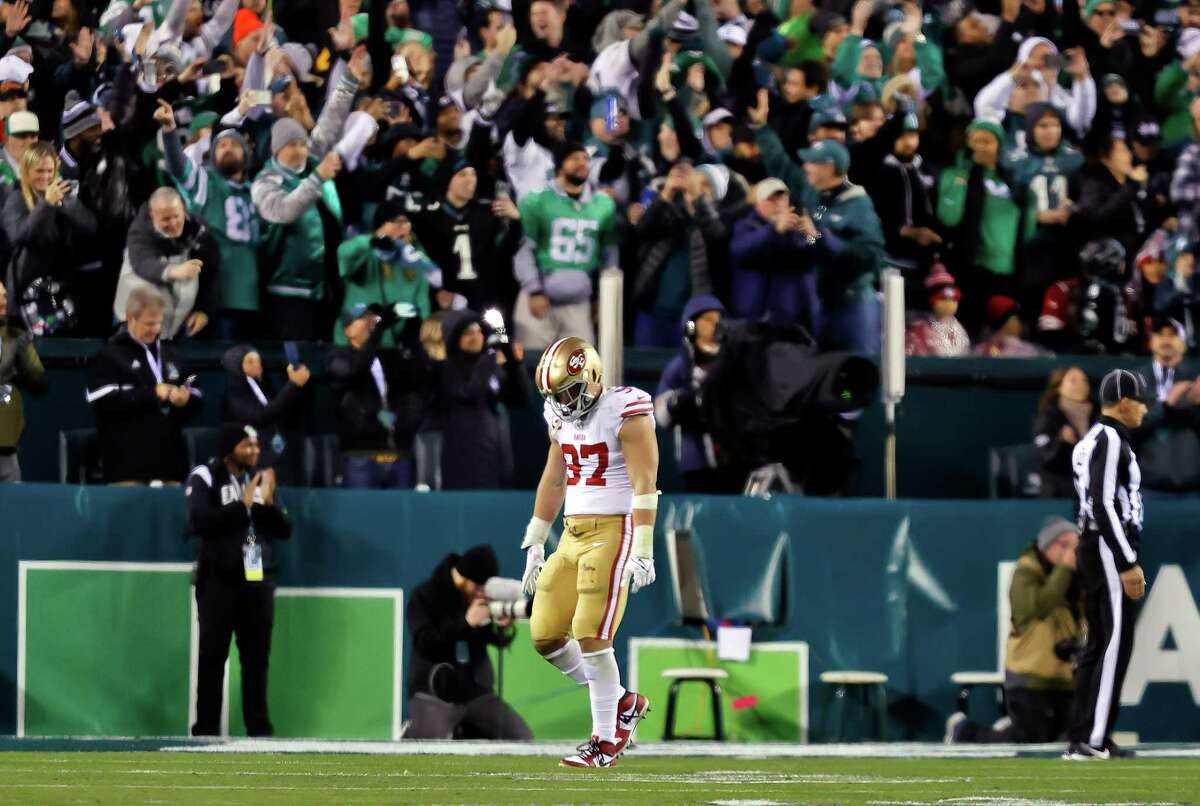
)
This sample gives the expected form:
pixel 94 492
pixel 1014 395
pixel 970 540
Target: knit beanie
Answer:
pixel 286 130
pixel 232 134
pixel 1052 527
pixel 1000 309
pixel 986 125
pixel 478 564
pixel 231 435
pixel 564 150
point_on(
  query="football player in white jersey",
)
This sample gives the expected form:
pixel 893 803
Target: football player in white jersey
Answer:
pixel 604 462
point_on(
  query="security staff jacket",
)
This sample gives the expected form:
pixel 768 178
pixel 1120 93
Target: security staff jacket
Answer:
pixel 218 516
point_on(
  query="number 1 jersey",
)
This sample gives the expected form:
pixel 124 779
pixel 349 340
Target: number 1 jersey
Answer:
pixel 597 479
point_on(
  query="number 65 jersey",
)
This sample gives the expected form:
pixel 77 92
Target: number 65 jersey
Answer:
pixel 597 479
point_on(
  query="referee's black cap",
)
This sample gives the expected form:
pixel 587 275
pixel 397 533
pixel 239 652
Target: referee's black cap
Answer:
pixel 1121 384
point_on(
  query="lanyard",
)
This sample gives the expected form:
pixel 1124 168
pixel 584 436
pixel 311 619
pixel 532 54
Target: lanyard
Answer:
pixel 380 383
pixel 155 363
pixel 239 487
pixel 1164 378
pixel 258 392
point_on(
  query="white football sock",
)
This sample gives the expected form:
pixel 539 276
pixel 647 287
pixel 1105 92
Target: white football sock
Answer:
pixel 604 690
pixel 569 660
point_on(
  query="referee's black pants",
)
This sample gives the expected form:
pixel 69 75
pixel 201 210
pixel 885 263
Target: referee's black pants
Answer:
pixel 247 610
pixel 1101 663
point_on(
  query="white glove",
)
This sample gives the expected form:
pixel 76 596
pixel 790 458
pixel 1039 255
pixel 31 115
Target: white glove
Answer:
pixel 642 569
pixel 535 558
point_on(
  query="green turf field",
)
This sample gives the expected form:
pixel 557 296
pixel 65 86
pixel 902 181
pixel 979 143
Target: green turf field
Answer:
pixel 226 778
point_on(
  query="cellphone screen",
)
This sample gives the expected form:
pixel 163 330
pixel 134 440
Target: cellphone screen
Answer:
pixel 292 352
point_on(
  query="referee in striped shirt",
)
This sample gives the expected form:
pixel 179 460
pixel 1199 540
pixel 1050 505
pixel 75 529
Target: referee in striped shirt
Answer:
pixel 1107 481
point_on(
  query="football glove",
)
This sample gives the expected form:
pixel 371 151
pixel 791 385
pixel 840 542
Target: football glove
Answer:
pixel 642 569
pixel 535 558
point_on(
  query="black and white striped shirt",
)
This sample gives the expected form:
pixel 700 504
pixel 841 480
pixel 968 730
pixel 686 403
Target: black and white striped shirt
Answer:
pixel 1108 483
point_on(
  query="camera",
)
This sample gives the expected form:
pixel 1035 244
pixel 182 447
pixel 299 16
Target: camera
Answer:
pixel 506 598
pixel 383 243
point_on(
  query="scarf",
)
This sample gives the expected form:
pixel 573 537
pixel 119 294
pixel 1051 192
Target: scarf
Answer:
pixel 1078 414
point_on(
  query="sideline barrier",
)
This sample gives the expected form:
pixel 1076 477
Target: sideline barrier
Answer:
pixel 906 588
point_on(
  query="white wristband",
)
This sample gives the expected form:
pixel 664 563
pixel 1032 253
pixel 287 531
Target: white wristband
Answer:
pixel 536 532
pixel 643 542
pixel 646 501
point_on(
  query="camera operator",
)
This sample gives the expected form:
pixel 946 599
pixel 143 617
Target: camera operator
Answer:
pixel 481 371
pixel 675 402
pixel 233 509
pixel 450 678
pixel 1045 629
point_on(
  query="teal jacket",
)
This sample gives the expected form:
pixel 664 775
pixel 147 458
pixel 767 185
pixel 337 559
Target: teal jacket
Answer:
pixel 847 264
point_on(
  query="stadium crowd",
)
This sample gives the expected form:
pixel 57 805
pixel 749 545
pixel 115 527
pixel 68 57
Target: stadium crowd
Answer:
pixel 373 174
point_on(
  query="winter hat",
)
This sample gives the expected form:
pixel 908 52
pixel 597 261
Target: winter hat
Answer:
pixel 478 564
pixel 78 115
pixel 716 116
pixel 231 435
pixel 446 172
pixel 1052 528
pixel 300 60
pixel 1163 320
pixel 389 210
pixel 822 22
pixel 245 22
pixel 286 130
pixel 987 125
pixel 456 76
pixel 1121 384
pixel 564 150
pixel 718 179
pixel 940 284
pixel 352 312
pixel 1090 8
pixel 1000 309
pixel 233 134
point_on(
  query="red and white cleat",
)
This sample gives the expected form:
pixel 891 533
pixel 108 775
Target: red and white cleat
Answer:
pixel 594 753
pixel 632 708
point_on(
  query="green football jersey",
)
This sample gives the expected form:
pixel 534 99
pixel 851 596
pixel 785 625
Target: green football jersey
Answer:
pixel 569 234
pixel 1045 180
pixel 230 215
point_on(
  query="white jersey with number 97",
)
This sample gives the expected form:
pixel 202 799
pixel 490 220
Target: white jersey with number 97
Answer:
pixel 597 479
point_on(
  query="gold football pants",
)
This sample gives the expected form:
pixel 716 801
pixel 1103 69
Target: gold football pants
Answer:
pixel 582 589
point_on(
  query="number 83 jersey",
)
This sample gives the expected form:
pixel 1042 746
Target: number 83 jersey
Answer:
pixel 597 479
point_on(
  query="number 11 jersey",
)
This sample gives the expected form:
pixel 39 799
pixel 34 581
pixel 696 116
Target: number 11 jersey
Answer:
pixel 597 479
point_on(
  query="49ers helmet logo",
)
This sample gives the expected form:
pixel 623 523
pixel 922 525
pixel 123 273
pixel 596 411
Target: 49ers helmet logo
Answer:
pixel 576 362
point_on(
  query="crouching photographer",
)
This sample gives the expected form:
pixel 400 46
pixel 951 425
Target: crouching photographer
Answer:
pixel 1044 636
pixel 450 678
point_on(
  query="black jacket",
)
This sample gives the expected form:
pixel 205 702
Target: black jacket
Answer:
pixel 1168 440
pixel 903 196
pixel 141 438
pixel 437 622
pixel 359 403
pixel 483 272
pixel 476 454
pixel 47 241
pixel 217 515
pixel 1055 452
pixel 243 406
pixel 1109 209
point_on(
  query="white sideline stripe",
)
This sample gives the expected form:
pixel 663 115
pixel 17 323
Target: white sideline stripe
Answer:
pixel 693 749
